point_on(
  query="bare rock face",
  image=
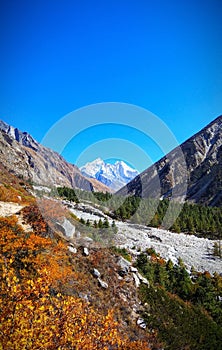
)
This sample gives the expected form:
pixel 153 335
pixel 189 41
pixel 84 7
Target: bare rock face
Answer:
pixel 204 161
pixel 25 157
pixel 193 170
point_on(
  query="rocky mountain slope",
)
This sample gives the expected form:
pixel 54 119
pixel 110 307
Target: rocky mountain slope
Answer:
pixel 25 157
pixel 114 176
pixel 200 180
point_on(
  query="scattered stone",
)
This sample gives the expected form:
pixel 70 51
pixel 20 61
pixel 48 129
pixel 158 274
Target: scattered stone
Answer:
pixel 123 297
pixel 96 273
pixel 88 239
pixel 141 323
pixel 133 269
pixel 124 266
pixel 143 279
pixel 85 251
pixel 72 249
pixel 102 284
pixel 158 239
pixel 134 314
pixel 78 234
pixel 136 280
pixel 84 296
pixel 128 278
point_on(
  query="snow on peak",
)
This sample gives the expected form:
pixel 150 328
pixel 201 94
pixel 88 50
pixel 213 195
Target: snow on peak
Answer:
pixel 114 176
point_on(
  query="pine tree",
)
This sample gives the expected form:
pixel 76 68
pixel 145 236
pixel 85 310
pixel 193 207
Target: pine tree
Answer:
pixel 82 221
pixel 100 223
pixel 105 223
pixel 217 249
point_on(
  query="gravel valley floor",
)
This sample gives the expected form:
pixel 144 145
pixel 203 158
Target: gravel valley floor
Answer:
pixel 194 251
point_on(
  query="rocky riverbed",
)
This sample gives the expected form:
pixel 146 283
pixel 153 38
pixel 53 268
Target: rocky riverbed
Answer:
pixel 194 251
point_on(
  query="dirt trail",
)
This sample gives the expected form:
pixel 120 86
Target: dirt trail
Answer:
pixel 10 208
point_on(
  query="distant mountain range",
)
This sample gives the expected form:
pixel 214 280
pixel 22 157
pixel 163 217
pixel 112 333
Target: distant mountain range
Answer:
pixel 114 176
pixel 200 180
pixel 26 158
pixel 202 154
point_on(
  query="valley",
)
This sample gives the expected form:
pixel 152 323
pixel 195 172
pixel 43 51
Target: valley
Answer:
pixel 90 261
pixel 194 251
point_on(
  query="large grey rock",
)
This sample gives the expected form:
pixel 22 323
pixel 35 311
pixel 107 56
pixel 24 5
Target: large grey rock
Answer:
pixel 124 266
pixel 69 228
pixel 66 228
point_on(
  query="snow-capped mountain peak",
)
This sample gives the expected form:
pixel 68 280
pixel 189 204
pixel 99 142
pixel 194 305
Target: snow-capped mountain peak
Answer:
pixel 114 175
pixel 91 168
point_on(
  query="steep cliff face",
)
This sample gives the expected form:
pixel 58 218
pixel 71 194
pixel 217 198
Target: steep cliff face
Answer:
pixel 25 157
pixel 203 154
pixel 193 170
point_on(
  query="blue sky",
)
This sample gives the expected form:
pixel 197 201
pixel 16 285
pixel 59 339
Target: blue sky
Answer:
pixel 59 56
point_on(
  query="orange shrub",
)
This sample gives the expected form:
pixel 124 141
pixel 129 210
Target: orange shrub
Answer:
pixel 35 314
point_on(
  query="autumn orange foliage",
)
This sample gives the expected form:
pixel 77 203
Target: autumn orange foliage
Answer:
pixel 44 215
pixel 10 194
pixel 35 313
pixel 13 189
